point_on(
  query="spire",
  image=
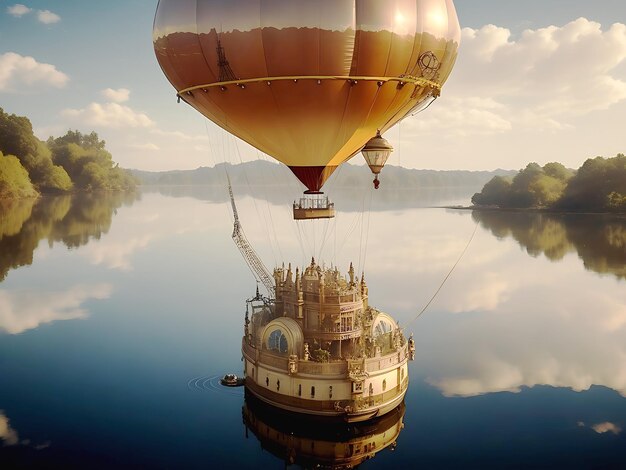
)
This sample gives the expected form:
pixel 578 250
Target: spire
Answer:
pixel 351 272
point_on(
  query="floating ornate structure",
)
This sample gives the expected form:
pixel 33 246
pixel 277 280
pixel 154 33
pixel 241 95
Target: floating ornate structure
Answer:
pixel 320 349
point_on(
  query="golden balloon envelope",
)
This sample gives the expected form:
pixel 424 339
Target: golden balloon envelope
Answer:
pixel 308 82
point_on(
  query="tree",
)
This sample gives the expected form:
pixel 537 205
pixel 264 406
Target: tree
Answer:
pixel 592 185
pixel 88 163
pixel 495 192
pixel 17 138
pixel 14 180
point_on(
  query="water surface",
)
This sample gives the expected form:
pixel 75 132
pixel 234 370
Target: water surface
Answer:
pixel 119 312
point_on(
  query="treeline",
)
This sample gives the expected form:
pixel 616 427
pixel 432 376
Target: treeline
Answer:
pixel 598 185
pixel 29 166
pixel 260 172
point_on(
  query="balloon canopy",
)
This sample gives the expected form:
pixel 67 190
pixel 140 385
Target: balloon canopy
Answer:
pixel 308 82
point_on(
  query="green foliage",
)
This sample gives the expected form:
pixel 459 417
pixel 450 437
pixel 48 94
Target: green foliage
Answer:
pixel 590 189
pixel 17 138
pixel 14 180
pixel 616 201
pixel 599 185
pixel 495 192
pixel 320 355
pixel 73 161
pixel 88 163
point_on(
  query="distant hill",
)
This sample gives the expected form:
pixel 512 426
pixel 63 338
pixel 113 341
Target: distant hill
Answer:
pixel 260 172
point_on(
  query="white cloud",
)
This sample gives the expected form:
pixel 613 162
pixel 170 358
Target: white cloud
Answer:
pixel 19 73
pixel 179 135
pixel 603 428
pixel 24 310
pixel 109 115
pixel 47 17
pixel 7 434
pixel 116 254
pixel 18 10
pixel 121 95
pixel 146 146
pixel 537 81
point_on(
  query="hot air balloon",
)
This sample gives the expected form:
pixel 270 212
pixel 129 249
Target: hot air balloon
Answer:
pixel 308 82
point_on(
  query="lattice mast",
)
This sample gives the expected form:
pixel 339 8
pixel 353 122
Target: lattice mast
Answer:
pixel 246 250
pixel 226 73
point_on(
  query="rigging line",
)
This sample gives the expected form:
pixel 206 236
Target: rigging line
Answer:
pixel 362 226
pixel 305 238
pixel 269 211
pixel 262 217
pixel 300 242
pixel 424 108
pixel 469 242
pixel 350 230
pixel 367 231
pixel 324 237
pixel 212 152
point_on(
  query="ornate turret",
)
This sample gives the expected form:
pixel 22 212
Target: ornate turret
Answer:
pixel 364 291
pixel 351 273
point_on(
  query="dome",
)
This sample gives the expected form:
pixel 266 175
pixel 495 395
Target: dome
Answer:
pixel 283 336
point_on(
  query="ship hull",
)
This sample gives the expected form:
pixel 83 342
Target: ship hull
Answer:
pixel 328 390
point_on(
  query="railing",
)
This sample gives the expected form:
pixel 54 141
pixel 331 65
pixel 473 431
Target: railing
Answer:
pixel 380 363
pixel 323 368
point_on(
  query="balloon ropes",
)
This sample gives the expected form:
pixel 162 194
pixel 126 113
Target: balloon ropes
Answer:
pixel 310 83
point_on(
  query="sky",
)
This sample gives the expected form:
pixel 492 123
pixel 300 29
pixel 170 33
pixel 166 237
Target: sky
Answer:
pixel 539 80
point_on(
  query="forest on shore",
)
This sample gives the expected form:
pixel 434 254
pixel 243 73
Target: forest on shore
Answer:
pixel 30 167
pixel 599 185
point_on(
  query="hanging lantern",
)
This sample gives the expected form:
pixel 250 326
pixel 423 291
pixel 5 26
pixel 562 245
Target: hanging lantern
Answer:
pixel 376 153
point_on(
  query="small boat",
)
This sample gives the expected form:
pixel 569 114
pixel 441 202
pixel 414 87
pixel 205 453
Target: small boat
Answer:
pixel 231 380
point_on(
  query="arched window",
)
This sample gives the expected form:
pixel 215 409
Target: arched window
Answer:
pixel 384 385
pixel 312 392
pixel 277 342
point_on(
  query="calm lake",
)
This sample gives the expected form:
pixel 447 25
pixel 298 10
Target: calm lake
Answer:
pixel 119 313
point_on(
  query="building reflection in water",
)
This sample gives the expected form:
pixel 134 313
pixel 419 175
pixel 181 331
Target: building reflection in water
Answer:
pixel 316 443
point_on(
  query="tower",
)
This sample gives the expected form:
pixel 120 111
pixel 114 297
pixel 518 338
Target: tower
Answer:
pixel 226 73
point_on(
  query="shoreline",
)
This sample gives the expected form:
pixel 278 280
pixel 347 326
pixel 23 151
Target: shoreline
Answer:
pixel 538 210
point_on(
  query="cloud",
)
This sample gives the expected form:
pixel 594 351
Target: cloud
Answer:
pixel 18 10
pixel 21 310
pixel 179 135
pixel 121 95
pixel 116 253
pixel 47 17
pixel 18 73
pixel 43 16
pixel 603 428
pixel 540 80
pixel 7 434
pixel 146 146
pixel 109 115
pixel 505 339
